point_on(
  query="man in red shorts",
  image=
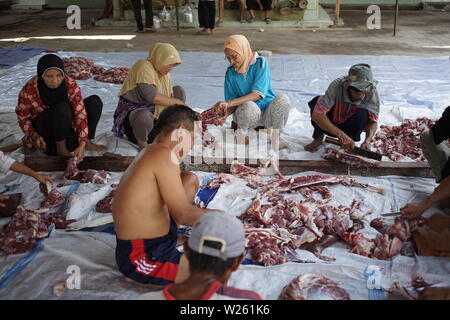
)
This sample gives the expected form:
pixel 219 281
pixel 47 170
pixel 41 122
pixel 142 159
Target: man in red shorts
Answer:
pixel 152 199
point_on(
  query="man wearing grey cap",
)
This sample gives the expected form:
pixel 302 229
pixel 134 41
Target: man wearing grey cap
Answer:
pixel 349 106
pixel 215 250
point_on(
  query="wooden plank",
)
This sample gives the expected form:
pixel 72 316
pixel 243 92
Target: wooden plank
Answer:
pixel 56 163
pixel 287 167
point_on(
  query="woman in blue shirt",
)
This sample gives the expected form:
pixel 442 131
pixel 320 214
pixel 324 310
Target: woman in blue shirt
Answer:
pixel 248 89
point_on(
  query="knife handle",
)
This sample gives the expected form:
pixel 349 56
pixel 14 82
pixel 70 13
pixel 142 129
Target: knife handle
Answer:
pixel 333 141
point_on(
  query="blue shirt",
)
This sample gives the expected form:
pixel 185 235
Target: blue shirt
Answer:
pixel 257 79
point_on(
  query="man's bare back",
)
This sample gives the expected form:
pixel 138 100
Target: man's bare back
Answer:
pixel 138 208
pixel 152 200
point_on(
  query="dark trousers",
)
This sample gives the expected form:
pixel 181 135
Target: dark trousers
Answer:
pixel 207 14
pixel 56 123
pixel 353 126
pixel 148 13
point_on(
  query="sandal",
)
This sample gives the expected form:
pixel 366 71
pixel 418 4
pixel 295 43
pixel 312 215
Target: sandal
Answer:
pixel 267 20
pixel 251 19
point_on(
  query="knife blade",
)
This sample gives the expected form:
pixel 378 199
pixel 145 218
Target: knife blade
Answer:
pixel 391 214
pixel 357 150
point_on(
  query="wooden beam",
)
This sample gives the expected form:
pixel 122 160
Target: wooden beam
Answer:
pixel 287 167
pixel 56 163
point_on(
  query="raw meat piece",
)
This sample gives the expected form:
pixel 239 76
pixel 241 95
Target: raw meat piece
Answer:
pixel 401 141
pixel 217 181
pixel 78 68
pixel 284 222
pixel 348 158
pixel 72 169
pixel 382 244
pixel 268 246
pixel 113 75
pixel 318 179
pixel 105 205
pixel 26 227
pixel 211 116
pixel 94 176
pixel 97 70
pixel 54 199
pixel 361 245
pixel 313 287
pixel 59 288
pixel 88 176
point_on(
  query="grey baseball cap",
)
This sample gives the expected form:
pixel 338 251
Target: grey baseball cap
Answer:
pixel 218 234
pixel 361 77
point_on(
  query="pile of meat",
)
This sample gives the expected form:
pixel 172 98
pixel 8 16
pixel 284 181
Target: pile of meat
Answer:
pixel 219 179
pixel 401 141
pixel 113 75
pixel 313 287
pixel 393 235
pixel 81 68
pixel 349 158
pixel 276 226
pixel 105 205
pixel 28 226
pixel 88 176
pixel 53 198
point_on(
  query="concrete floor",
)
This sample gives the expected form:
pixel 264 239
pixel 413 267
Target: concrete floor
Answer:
pixel 419 32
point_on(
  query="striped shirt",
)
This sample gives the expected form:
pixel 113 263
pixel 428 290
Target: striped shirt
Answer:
pixel 337 101
pixel 216 291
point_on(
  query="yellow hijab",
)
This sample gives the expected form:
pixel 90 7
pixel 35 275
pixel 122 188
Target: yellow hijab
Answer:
pixel 147 71
pixel 240 44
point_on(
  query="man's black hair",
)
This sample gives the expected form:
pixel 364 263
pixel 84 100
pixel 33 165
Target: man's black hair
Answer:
pixel 202 263
pixel 174 116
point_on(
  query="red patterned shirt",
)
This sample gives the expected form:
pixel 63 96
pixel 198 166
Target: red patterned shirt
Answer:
pixel 30 105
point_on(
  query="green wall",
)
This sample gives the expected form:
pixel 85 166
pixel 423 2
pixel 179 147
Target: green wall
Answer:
pixel 59 4
pixel 100 3
pixel 369 2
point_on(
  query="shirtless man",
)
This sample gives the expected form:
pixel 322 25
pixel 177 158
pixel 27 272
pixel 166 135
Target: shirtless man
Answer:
pixel 152 200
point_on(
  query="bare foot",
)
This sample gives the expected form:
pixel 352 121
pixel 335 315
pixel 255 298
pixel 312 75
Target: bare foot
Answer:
pixel 283 145
pixel 95 147
pixel 314 146
pixel 61 149
pixel 147 285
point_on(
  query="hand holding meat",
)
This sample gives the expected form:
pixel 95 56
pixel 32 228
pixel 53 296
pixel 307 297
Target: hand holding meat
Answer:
pixel 434 293
pixel 366 145
pixel 79 152
pixel 347 143
pixel 413 210
pixel 43 178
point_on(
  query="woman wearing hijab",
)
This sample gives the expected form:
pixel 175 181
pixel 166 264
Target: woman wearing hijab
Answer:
pixel 53 114
pixel 146 92
pixel 248 89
